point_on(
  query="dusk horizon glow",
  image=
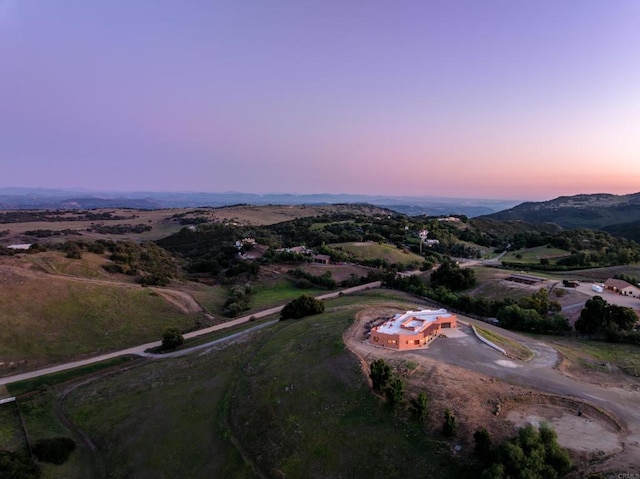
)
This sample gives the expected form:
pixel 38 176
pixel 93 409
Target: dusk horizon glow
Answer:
pixel 495 99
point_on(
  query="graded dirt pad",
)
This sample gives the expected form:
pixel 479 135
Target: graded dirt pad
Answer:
pixel 585 433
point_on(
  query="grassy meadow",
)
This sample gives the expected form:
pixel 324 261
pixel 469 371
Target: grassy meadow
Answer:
pixel 534 255
pixel 287 401
pixel 45 320
pixel 371 251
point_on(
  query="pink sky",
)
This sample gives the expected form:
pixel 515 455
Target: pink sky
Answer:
pixel 492 99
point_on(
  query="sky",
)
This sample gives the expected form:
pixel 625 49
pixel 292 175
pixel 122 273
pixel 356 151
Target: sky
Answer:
pixel 526 100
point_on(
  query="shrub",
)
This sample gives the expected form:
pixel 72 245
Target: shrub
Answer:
pixel 55 450
pixel 302 306
pixel 171 339
pixel 449 425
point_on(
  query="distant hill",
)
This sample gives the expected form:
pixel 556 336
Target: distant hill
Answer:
pixel 626 230
pixel 617 214
pixel 38 198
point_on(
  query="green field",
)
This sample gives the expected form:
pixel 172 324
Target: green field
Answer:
pixel 534 255
pixel 272 294
pixel 371 251
pixel 199 415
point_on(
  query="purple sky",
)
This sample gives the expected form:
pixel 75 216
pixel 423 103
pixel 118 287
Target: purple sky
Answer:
pixel 494 99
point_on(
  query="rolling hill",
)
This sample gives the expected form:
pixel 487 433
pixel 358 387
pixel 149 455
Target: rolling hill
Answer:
pixel 617 214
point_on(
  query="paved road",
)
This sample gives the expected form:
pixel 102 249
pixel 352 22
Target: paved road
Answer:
pixel 141 349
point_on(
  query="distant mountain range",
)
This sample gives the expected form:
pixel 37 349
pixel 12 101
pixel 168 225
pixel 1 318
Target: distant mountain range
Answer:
pixel 39 198
pixel 616 214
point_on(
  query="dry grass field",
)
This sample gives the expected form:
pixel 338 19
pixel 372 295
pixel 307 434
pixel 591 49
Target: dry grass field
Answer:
pixel 164 222
pixel 54 309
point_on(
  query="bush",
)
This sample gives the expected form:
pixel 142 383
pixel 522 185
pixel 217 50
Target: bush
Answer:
pixel 18 465
pixel 171 339
pixel 449 425
pixel 302 306
pixel 380 375
pixel 54 450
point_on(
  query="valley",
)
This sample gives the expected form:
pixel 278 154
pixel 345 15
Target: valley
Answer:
pixel 247 395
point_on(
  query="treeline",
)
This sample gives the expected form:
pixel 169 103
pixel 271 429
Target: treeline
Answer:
pixel 535 313
pixel 49 233
pixel 120 229
pixel 29 216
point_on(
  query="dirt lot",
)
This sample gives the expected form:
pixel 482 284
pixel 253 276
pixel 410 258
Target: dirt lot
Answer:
pixel 478 400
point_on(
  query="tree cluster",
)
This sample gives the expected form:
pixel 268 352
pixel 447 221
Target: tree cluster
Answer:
pixel 120 229
pixel 238 300
pixel 451 276
pixel 302 306
pixel 531 454
pixel 307 280
pixel 599 318
pixel 55 450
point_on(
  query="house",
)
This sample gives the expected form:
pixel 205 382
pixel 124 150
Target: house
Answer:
pixel 413 329
pixel 621 287
pixel 321 258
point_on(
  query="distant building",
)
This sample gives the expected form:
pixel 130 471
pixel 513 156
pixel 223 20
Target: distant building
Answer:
pixel 321 258
pixel 413 329
pixel 20 246
pixel 525 279
pixel 621 287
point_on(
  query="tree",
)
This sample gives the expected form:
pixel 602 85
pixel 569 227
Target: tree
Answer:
pixel 449 425
pixel 55 450
pixel 380 375
pixel 304 305
pixel 395 392
pixel 171 339
pixel 420 407
pixel 483 442
pixel 18 465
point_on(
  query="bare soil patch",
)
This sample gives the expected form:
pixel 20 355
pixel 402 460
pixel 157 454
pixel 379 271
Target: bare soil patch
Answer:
pixel 581 433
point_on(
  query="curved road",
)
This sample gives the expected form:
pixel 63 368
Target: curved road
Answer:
pixel 141 349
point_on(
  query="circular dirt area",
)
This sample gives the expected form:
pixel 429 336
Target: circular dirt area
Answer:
pixel 581 433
